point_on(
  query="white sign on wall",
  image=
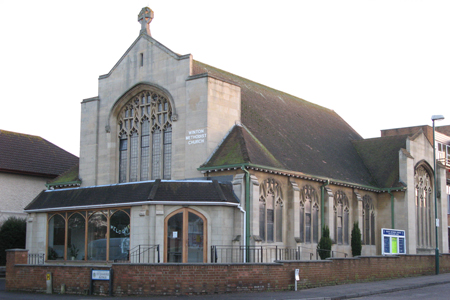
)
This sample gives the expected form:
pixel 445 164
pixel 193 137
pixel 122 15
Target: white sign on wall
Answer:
pixel 197 136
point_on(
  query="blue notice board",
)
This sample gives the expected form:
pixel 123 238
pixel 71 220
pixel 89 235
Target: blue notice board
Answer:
pixel 393 241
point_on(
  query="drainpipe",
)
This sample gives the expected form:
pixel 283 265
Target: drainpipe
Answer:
pixel 247 209
pixel 322 202
pixel 245 228
pixel 392 208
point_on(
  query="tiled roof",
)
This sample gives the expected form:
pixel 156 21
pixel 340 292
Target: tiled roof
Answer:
pixel 240 147
pixel 381 156
pixel 67 179
pixel 444 129
pixel 33 155
pixel 149 191
pixel 301 136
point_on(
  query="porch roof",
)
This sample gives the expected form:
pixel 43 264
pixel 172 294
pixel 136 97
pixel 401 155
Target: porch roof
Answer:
pixel 136 193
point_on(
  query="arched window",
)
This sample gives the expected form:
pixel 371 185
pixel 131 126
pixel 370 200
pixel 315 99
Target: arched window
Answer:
pixel 309 215
pixel 56 237
pixel 368 225
pixel 424 211
pixel 341 218
pixel 270 211
pixel 145 138
pixel 76 231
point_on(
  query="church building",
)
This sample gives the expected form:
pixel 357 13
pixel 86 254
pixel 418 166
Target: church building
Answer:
pixel 198 163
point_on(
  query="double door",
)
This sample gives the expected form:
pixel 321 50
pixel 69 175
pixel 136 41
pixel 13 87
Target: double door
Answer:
pixel 185 237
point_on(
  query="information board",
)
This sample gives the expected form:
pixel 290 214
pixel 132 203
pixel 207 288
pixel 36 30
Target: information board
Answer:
pixel 393 241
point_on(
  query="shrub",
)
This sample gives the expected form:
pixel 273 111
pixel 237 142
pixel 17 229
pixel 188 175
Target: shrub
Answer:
pixel 325 243
pixel 12 236
pixel 356 240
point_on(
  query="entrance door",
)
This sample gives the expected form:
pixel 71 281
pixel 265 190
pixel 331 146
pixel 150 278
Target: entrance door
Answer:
pixel 185 236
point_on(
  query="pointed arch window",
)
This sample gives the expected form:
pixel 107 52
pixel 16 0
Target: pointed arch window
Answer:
pixel 145 138
pixel 424 205
pixel 341 218
pixel 270 211
pixel 309 215
pixel 368 225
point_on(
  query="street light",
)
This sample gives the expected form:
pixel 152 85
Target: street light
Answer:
pixel 436 118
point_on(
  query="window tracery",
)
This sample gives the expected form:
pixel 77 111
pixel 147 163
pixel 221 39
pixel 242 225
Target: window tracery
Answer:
pixel 145 138
pixel 341 218
pixel 309 215
pixel 270 211
pixel 424 211
pixel 368 225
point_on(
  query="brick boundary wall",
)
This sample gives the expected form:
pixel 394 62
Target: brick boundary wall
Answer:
pixel 194 279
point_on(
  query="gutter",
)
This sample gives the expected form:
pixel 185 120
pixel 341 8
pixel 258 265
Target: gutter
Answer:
pixel 293 174
pixel 87 207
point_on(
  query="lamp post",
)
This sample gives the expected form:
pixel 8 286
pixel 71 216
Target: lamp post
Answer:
pixel 436 118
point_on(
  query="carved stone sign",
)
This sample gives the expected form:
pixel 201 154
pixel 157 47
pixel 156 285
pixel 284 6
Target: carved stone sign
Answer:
pixel 197 136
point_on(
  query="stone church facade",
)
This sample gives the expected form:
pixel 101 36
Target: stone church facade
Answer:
pixel 198 161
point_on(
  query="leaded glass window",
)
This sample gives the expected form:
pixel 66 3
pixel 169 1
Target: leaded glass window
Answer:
pixel 341 217
pixel 368 225
pixel 145 138
pixel 270 211
pixel 309 215
pixel 424 208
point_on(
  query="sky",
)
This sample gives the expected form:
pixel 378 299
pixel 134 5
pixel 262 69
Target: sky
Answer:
pixel 379 64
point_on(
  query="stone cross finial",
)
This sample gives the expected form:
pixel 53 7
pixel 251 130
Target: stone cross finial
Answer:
pixel 145 17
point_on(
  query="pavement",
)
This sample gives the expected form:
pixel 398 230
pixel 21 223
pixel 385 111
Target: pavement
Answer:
pixel 344 291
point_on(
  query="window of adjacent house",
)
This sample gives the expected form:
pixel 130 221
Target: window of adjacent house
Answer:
pixel 145 138
pixel 341 218
pixel 270 212
pixel 368 225
pixel 424 207
pixel 448 200
pixel 141 59
pixel 309 216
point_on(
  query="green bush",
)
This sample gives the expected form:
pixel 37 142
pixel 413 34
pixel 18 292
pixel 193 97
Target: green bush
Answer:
pixel 325 243
pixel 356 240
pixel 12 236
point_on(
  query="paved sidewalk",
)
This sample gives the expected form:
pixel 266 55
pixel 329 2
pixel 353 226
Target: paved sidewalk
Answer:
pixel 345 291
pixel 354 290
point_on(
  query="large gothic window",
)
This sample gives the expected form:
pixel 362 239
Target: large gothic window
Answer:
pixel 145 138
pixel 309 215
pixel 424 208
pixel 368 225
pixel 341 218
pixel 270 211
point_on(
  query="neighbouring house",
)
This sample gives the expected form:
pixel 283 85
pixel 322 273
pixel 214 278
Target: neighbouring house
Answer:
pixel 208 166
pixel 27 164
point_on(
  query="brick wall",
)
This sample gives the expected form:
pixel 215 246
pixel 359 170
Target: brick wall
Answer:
pixel 182 279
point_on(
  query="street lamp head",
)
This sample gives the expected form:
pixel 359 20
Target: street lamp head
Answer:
pixel 437 117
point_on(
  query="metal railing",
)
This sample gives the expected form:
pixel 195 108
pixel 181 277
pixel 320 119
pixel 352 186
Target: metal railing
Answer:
pixel 258 254
pixel 334 254
pixel 36 258
pixel 144 254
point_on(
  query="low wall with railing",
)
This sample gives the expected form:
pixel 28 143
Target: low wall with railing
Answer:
pixel 188 279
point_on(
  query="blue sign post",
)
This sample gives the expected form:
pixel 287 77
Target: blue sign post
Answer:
pixel 393 241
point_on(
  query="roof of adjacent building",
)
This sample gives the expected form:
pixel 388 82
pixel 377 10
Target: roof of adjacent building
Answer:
pixel 32 155
pixel 283 131
pixel 142 192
